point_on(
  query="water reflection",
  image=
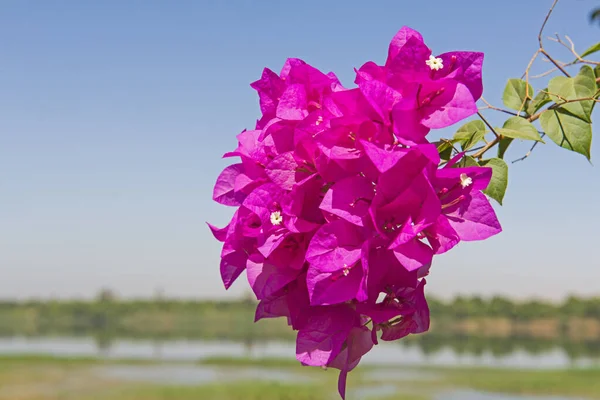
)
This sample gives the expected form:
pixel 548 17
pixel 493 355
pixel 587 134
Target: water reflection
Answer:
pixel 424 350
pixel 477 395
pixel 192 374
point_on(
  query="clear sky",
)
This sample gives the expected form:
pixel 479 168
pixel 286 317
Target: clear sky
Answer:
pixel 114 115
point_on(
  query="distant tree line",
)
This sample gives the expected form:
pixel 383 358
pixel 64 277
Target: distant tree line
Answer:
pixel 502 307
pixel 107 308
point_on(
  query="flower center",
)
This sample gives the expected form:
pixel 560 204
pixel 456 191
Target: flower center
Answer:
pixel 276 218
pixel 342 273
pixel 435 63
pixel 465 180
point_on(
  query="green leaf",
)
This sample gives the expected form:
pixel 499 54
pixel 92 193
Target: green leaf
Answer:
pixel 581 86
pixel 517 94
pixel 591 50
pixel 503 145
pixel 539 101
pixel 568 131
pixel 470 134
pixel 466 161
pixel 444 147
pixel 497 187
pixel 519 128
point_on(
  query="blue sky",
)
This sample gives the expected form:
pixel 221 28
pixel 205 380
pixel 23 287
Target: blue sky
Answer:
pixel 114 115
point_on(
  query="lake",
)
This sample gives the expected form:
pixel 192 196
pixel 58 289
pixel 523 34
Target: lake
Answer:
pixel 191 350
pixel 175 363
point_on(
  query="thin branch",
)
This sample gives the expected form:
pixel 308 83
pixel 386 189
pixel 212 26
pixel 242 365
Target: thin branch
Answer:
pixel 544 24
pixel 485 121
pixel 476 148
pixel 544 73
pixel 530 150
pixel 491 107
pixel 488 146
pixel 571 47
pixel 557 64
pixel 451 144
pixel 594 98
pixel 526 73
pixel 541 48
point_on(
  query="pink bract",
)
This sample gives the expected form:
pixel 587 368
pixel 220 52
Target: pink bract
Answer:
pixel 341 204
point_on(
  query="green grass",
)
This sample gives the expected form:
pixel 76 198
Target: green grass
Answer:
pixel 266 362
pixel 235 391
pixel 30 377
pixel 8 360
pixel 574 382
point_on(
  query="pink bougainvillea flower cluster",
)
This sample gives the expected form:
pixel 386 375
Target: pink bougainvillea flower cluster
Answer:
pixel 341 204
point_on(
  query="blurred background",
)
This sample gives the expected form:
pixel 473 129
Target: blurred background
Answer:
pixel 114 118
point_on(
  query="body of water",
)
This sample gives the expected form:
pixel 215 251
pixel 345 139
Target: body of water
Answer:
pixel 193 350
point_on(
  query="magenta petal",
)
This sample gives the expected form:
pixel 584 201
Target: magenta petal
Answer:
pixel 413 254
pixel 380 96
pixel 266 278
pixel 293 103
pixel 232 265
pixel 384 269
pixel 269 87
pixel 476 220
pixel 285 171
pixel 274 306
pixel 454 160
pixel 219 233
pixel 325 288
pixel 465 67
pixel 407 233
pixel 407 122
pixel 450 177
pixel 321 339
pixel 358 344
pixel 224 188
pixel 417 322
pixel 272 242
pixel 349 199
pixel 407 52
pixel 334 246
pixel 261 200
pixel 454 105
pixel 441 236
pixel 383 159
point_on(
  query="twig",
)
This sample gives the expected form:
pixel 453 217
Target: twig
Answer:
pixel 451 144
pixel 544 52
pixel 594 98
pixel 488 146
pixel 476 148
pixel 545 22
pixel 491 107
pixel 530 150
pixel 571 47
pixel 541 49
pixel 485 121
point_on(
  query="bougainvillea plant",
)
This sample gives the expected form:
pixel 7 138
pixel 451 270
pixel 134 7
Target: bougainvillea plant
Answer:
pixel 342 202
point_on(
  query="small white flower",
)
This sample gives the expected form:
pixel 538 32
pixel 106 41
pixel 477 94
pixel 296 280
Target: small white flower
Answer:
pixel 276 218
pixel 465 180
pixel 346 271
pixel 435 63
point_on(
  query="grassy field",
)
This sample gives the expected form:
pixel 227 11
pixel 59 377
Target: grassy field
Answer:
pixel 49 378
